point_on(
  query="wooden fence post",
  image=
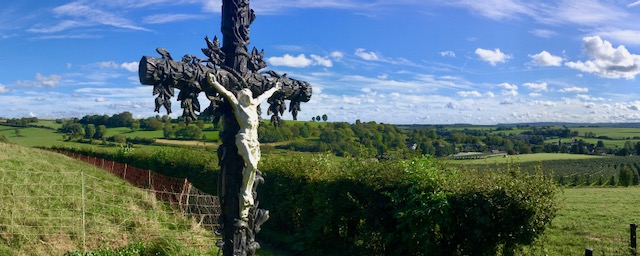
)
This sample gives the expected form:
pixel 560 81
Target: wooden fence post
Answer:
pixel 124 174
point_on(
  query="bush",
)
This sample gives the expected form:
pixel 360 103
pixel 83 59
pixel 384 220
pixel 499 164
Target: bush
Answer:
pixel 4 139
pixel 417 207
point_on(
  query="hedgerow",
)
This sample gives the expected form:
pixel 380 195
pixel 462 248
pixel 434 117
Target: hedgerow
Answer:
pixel 414 207
pixel 353 206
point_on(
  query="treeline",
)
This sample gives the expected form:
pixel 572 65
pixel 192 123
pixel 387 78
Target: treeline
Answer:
pixel 24 122
pixel 172 129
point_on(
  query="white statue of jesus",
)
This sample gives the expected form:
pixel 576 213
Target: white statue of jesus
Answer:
pixel 246 112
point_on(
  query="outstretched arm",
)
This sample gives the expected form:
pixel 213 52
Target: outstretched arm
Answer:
pixel 211 78
pixel 269 92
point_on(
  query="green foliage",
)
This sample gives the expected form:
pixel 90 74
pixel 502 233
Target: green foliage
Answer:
pixel 4 139
pixel 101 132
pixel 73 130
pixel 625 176
pixel 416 207
pixel 612 181
pixel 119 138
pixel 198 165
pixel 565 170
pixel 90 131
pixel 158 247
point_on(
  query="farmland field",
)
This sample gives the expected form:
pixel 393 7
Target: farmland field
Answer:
pixel 525 158
pixel 595 218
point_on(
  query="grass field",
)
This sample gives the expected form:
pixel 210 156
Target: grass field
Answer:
pixel 43 204
pixel 611 132
pixel 595 218
pixel 524 158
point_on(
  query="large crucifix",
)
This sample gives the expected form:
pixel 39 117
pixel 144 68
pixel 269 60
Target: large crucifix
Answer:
pixel 230 77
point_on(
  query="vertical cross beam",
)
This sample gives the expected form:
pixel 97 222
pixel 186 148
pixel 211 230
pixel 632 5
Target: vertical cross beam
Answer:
pixel 230 71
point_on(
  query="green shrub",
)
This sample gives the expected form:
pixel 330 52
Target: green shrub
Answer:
pixel 417 207
pixel 4 139
pixel 625 176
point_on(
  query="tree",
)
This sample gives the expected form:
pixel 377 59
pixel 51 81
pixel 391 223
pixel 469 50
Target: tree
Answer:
pixel 625 176
pixel 318 118
pixel 119 138
pixel 325 117
pixel 168 131
pixel 73 130
pixel 18 132
pixel 89 131
pixel 200 124
pixel 152 124
pixel 101 132
pixel 313 119
pixel 135 125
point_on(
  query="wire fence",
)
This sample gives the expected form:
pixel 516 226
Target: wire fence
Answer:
pixel 179 193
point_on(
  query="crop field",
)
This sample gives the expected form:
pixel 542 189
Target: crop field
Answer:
pixel 524 158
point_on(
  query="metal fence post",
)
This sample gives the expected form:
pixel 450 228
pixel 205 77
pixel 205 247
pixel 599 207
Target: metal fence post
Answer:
pixel 632 236
pixel 588 252
pixel 84 229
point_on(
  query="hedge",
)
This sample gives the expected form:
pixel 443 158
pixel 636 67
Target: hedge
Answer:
pixel 415 207
pixel 322 206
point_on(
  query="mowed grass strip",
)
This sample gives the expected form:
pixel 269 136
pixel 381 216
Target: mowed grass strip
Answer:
pixel 41 209
pixel 595 218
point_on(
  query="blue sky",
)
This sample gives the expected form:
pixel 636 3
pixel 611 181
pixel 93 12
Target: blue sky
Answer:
pixel 391 61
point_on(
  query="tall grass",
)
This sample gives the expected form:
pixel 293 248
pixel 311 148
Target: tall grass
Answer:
pixel 41 210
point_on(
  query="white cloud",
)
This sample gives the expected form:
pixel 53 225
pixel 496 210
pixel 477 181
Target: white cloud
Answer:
pixel 494 9
pixel 492 56
pixel 451 105
pixel 321 61
pixel 607 61
pixel 510 92
pixel 625 36
pixel 300 61
pixel 366 55
pixel 545 103
pixel 168 18
pixel 508 86
pixel 634 4
pixel 130 66
pixel 448 54
pixel 108 64
pixel 544 33
pixel 536 87
pixel 84 14
pixel 337 55
pixel 3 89
pixel 469 94
pixel 544 59
pixel 100 99
pixel 41 81
pixel 489 94
pixel 534 94
pixel 574 89
pixel 287 60
pixel 587 97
